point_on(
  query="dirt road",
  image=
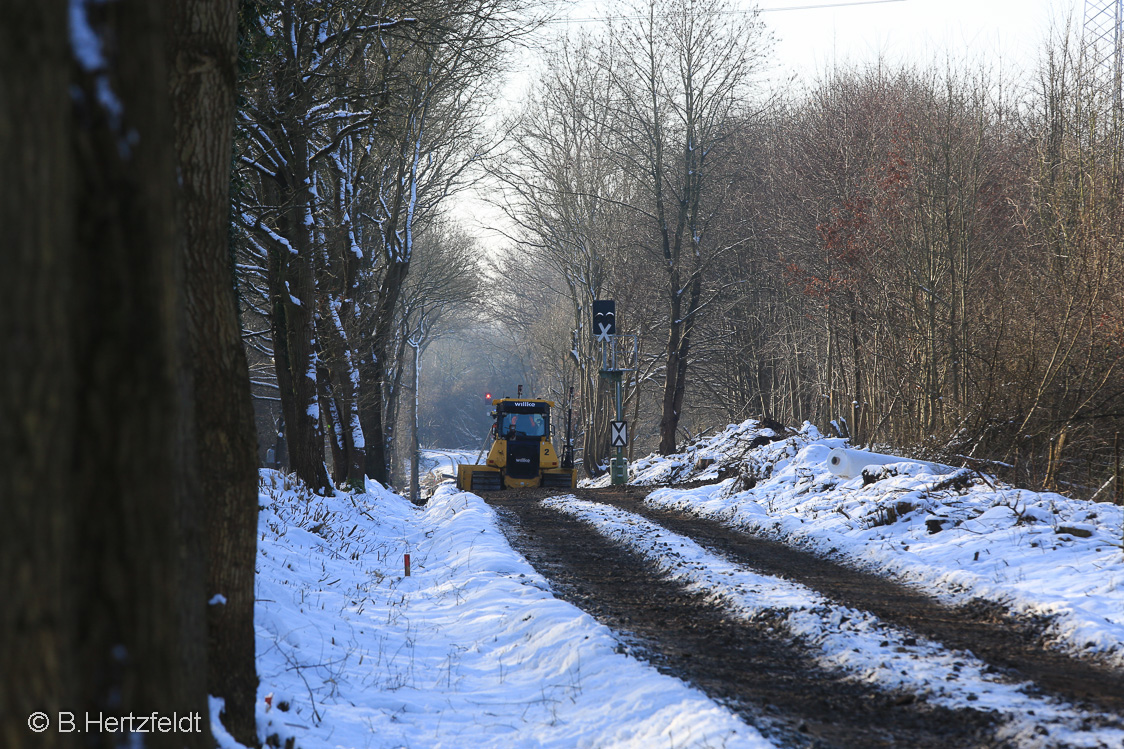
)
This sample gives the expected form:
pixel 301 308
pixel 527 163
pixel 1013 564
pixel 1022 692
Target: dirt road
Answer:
pixel 752 666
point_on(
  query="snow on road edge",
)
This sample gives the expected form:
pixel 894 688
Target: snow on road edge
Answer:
pixel 472 649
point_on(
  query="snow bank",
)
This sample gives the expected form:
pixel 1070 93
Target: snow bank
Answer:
pixel 472 649
pixel 852 641
pixel 959 535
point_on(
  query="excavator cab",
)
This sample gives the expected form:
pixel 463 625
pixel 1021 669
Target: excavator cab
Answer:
pixel 521 454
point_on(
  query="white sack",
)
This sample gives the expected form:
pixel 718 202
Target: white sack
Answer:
pixel 850 463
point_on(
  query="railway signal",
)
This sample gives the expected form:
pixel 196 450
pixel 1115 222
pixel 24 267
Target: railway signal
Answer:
pixel 615 361
pixel 618 433
pixel 604 319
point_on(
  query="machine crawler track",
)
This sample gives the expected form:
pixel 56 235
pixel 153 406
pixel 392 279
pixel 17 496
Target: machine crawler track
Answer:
pixel 486 481
pixel 557 480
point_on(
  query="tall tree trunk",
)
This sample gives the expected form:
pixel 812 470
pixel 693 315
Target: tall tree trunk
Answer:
pixel 374 425
pixel 104 611
pixel 38 383
pixel 339 386
pixel 294 300
pixel 332 423
pixel 415 446
pixel 858 399
pixel 202 57
pixel 669 418
pixel 340 258
pixel 677 363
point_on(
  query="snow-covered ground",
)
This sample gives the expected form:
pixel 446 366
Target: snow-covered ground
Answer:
pixel 444 462
pixel 853 641
pixel 960 536
pixel 470 650
pixel 437 465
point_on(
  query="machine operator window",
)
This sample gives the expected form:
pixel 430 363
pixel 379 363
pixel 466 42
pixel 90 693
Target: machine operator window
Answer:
pixel 526 425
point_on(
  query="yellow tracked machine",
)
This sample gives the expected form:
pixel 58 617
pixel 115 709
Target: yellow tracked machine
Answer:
pixel 521 454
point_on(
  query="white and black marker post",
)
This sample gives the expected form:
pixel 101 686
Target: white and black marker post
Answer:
pixel 605 334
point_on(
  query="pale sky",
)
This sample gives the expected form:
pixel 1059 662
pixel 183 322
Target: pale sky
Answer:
pixel 985 31
pixel 811 37
pixel 1006 34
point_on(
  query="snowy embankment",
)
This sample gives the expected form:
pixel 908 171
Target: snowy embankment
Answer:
pixel 959 535
pixel 471 649
pixel 441 463
pixel 854 642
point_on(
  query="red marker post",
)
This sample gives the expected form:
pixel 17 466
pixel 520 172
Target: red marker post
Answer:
pixel 407 565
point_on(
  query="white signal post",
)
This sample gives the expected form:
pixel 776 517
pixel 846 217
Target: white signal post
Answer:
pixel 618 355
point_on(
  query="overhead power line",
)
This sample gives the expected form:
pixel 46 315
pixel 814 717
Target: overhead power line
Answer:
pixel 818 6
pixel 831 5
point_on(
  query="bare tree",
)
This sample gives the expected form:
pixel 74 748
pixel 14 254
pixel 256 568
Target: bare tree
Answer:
pixel 202 56
pixel 686 72
pixel 568 195
pixel 443 289
pixel 352 137
pixel 427 143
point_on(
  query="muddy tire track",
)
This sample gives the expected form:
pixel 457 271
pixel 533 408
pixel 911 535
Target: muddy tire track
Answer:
pixel 748 665
pixel 1011 645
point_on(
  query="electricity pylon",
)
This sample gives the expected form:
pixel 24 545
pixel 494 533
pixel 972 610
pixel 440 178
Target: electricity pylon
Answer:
pixel 1103 40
